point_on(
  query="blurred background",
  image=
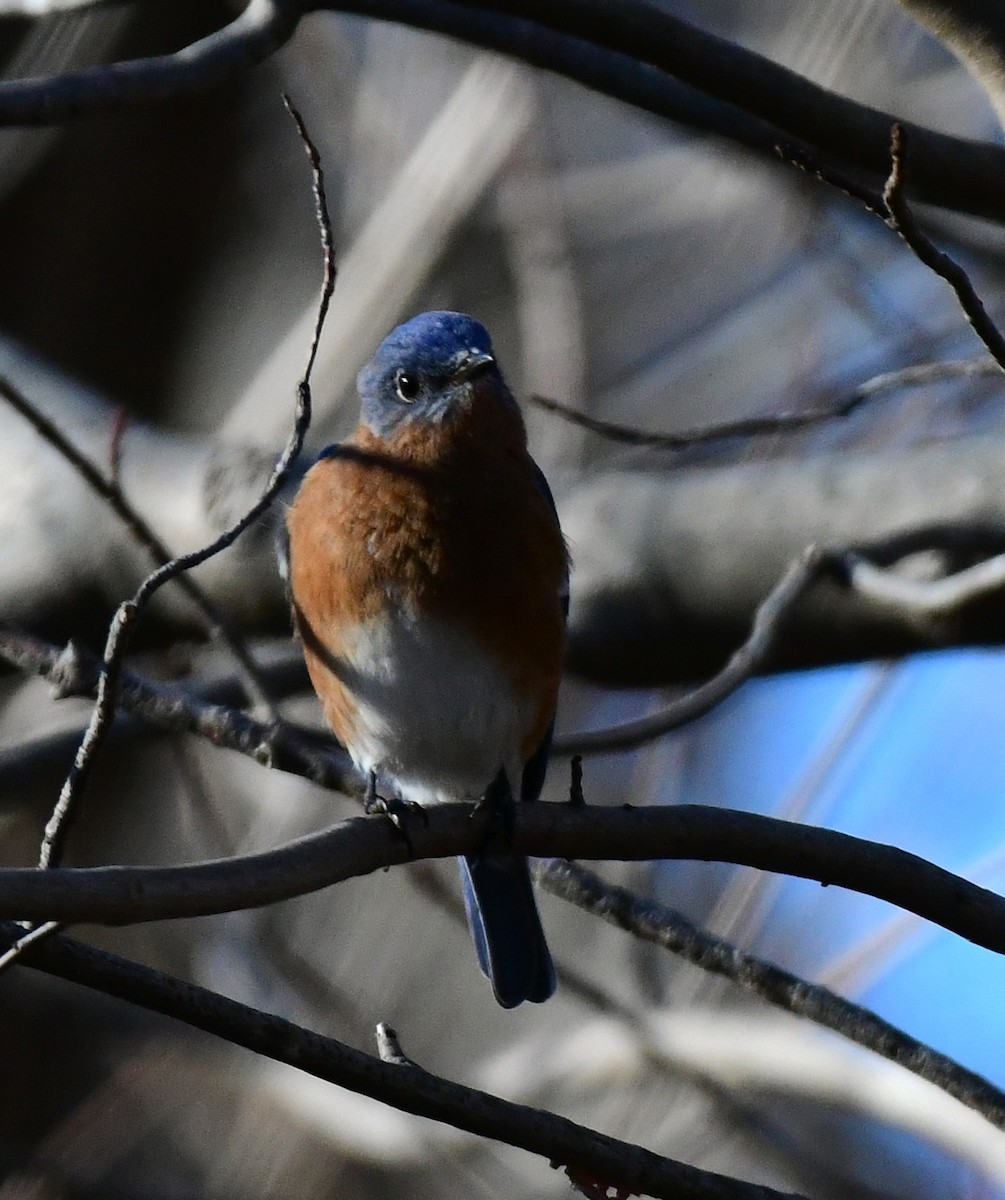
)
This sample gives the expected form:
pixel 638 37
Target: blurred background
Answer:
pixel 162 263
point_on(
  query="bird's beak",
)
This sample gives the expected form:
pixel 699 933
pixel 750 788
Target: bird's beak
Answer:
pixel 469 364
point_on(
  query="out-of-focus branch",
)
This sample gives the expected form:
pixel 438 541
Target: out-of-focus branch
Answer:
pixel 671 930
pixel 405 1086
pixel 362 845
pixel 882 587
pixel 49 8
pixel 777 422
pixel 671 565
pixel 255 33
pixel 108 488
pixel 926 598
pixel 67 560
pixel 634 51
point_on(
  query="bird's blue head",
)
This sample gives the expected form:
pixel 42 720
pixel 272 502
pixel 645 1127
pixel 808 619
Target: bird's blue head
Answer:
pixel 425 370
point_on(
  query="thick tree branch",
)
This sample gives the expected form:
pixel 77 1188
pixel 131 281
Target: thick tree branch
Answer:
pixel 634 51
pixel 405 1086
pixel 362 845
pixel 672 564
pixel 260 29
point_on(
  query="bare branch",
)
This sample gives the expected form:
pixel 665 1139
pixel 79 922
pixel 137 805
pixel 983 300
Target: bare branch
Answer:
pixel 30 938
pixel 413 1090
pixel 110 491
pixel 672 931
pixel 50 8
pixel 742 664
pixel 640 53
pixel 260 29
pixel 361 845
pixel 635 52
pixel 122 625
pixel 74 671
pixel 901 219
pixel 781 422
pixel 929 598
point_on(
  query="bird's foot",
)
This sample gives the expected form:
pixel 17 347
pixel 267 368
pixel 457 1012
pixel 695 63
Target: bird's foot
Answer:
pixel 395 809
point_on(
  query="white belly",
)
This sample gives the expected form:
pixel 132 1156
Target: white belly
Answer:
pixel 436 717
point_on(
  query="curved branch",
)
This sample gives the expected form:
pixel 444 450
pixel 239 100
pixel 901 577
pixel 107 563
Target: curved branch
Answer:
pixel 743 663
pixel 123 624
pixel 640 53
pixel 672 931
pixel 917 375
pixel 632 51
pixel 362 845
pixel 257 32
pixel 404 1085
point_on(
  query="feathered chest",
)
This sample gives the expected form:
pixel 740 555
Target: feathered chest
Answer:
pixel 458 535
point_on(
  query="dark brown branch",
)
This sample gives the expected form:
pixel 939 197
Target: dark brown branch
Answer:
pixel 672 931
pixel 773 423
pixel 408 1088
pixel 362 845
pixel 640 53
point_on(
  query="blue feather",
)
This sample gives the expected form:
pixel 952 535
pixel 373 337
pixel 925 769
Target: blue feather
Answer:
pixel 502 912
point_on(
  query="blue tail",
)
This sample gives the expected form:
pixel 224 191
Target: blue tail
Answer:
pixel 508 936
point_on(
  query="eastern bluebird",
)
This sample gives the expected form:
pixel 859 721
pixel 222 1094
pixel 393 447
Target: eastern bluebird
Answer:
pixel 429 579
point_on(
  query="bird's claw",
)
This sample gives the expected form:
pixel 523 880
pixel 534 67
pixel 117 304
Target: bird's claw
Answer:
pixel 394 809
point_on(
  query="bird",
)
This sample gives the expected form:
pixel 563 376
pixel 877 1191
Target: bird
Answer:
pixel 429 580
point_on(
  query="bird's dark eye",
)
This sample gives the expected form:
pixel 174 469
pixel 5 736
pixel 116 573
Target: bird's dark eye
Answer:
pixel 406 385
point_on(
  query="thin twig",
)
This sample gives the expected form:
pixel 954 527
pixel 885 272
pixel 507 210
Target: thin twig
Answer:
pixel 415 1090
pixel 124 621
pixel 32 937
pixel 900 218
pixel 802 573
pixel 672 931
pixel 108 488
pixel 774 423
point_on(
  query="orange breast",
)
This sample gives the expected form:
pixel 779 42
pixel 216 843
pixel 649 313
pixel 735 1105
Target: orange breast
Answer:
pixel 447 519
